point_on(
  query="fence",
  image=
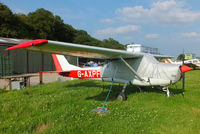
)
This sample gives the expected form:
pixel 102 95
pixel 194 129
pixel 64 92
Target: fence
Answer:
pixel 6 65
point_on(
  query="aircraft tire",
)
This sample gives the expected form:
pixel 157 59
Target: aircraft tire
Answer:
pixel 121 96
pixel 171 94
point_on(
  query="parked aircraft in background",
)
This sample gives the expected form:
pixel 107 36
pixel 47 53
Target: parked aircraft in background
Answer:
pixel 124 67
pixel 193 61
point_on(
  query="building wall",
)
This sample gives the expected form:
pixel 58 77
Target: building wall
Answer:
pixel 6 64
pixel 19 61
pixel 139 48
pixel 23 61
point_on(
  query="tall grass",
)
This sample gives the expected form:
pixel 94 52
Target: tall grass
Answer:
pixel 66 107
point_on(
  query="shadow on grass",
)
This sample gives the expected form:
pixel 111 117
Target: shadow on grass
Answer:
pixel 116 89
pixel 176 91
pixel 3 91
pixel 85 83
pixel 173 90
pixel 129 90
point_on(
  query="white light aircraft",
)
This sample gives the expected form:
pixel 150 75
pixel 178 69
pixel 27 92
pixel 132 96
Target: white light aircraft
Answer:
pixel 124 67
pixel 193 61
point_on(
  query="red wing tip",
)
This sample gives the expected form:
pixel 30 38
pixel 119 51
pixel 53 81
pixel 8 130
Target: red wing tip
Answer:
pixel 28 44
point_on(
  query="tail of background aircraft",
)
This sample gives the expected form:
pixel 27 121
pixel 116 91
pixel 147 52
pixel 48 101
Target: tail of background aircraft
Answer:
pixel 62 64
pixel 167 60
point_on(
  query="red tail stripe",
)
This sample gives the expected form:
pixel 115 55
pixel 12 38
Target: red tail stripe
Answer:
pixel 57 63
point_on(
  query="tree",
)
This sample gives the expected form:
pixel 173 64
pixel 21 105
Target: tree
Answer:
pixel 181 57
pixel 63 32
pixel 82 39
pixel 7 23
pixel 69 33
pixel 42 22
pixel 59 32
pixel 111 43
pixel 23 27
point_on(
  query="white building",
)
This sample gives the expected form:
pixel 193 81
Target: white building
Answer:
pixel 138 48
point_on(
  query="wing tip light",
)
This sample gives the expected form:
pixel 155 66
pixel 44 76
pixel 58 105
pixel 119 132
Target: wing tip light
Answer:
pixel 28 44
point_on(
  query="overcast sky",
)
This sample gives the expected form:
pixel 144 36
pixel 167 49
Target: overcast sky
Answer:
pixel 169 25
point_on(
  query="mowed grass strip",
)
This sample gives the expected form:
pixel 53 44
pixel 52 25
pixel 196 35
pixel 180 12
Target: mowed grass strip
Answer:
pixel 66 107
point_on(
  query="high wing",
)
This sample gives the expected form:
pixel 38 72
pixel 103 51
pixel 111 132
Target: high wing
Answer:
pixel 71 49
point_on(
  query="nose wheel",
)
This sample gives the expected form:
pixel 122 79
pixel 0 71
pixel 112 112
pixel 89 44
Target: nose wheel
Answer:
pixel 168 94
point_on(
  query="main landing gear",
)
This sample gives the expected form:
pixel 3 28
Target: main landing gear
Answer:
pixel 121 95
pixel 168 94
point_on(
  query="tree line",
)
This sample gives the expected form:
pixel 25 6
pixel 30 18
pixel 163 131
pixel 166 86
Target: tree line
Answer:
pixel 42 24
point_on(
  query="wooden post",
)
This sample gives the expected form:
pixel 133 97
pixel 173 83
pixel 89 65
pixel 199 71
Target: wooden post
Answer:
pixel 41 77
pixel 42 55
pixel 8 84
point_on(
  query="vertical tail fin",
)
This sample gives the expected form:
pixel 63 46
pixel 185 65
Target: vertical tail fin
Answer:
pixel 62 64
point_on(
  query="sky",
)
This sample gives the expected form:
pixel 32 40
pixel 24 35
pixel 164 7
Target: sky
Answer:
pixel 172 26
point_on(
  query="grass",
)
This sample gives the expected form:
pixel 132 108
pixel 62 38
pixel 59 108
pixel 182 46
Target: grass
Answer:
pixel 65 107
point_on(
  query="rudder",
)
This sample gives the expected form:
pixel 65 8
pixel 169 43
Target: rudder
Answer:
pixel 62 64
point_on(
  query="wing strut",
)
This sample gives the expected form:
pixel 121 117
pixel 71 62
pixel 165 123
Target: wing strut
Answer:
pixel 131 69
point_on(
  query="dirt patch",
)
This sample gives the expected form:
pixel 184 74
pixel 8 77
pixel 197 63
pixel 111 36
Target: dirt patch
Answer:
pixel 41 128
pixel 196 111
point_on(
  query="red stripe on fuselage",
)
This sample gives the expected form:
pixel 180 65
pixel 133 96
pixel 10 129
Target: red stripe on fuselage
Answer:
pixel 82 74
pixel 57 63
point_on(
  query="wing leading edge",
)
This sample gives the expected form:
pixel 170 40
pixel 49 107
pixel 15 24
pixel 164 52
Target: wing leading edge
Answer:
pixel 71 49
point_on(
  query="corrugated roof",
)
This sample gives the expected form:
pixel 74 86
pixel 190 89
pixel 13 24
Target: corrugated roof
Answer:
pixel 10 41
